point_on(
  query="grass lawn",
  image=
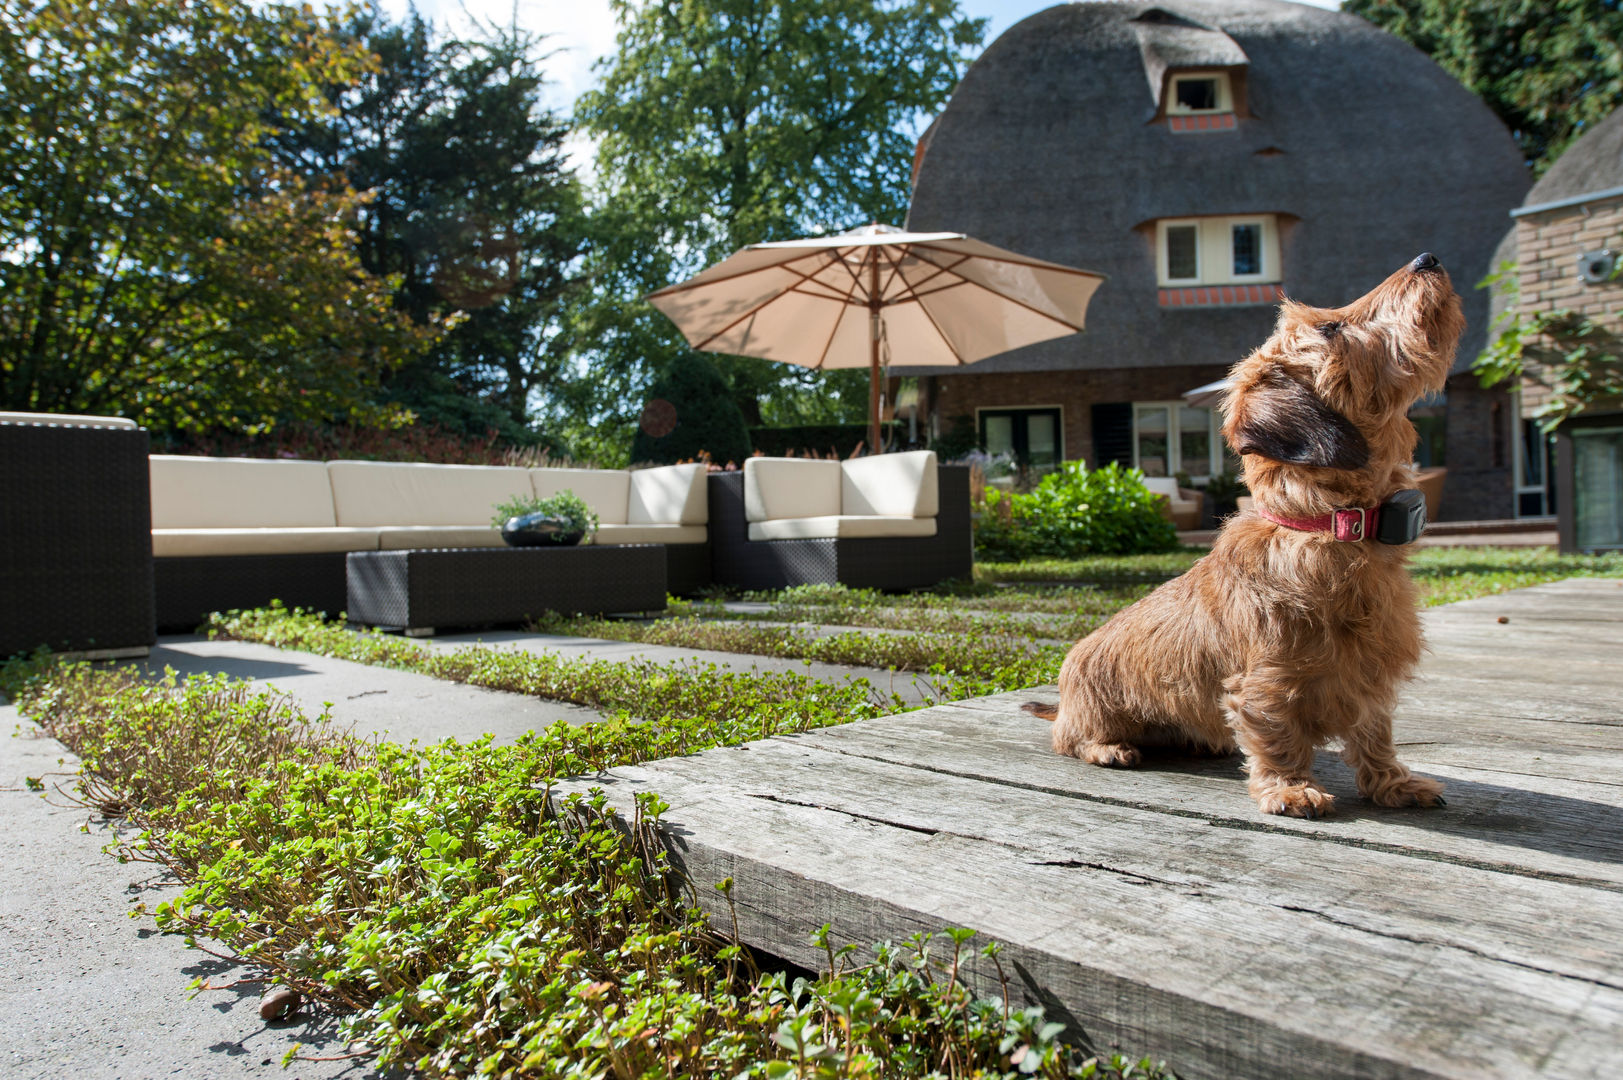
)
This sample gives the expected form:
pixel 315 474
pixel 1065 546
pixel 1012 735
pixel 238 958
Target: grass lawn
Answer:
pixel 463 924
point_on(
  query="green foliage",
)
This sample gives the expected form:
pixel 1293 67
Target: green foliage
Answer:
pixel 707 420
pixel 566 506
pixel 1577 358
pixel 1073 512
pixel 722 123
pixel 160 265
pixel 470 205
pixel 464 921
pixel 1549 68
pixel 1461 573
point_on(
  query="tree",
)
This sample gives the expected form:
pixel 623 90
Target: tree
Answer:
pixel 156 263
pixel 470 204
pixel 1548 68
pixel 690 412
pixel 722 123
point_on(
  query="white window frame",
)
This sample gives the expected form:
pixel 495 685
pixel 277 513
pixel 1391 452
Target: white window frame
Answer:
pixel 1214 445
pixel 1225 93
pixel 1216 234
pixel 1059 433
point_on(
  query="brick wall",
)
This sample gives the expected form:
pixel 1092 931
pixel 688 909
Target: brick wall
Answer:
pixel 1075 392
pixel 1547 248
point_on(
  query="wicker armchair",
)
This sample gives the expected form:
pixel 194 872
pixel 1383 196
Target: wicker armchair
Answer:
pixel 75 536
pixel 864 562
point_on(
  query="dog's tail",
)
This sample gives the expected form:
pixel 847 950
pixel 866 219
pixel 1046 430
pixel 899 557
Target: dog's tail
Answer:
pixel 1041 711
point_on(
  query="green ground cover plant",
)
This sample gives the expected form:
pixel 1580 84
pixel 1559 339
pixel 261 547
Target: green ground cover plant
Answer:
pixel 974 652
pixel 463 922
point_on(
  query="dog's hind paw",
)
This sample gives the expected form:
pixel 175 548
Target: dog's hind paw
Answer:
pixel 1412 790
pixel 1119 755
pixel 1296 800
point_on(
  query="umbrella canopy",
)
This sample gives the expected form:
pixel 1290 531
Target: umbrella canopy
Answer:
pixel 1208 396
pixel 937 299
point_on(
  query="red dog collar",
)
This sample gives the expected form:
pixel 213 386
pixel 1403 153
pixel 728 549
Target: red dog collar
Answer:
pixel 1346 525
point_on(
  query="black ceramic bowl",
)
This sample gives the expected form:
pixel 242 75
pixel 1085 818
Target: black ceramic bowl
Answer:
pixel 539 530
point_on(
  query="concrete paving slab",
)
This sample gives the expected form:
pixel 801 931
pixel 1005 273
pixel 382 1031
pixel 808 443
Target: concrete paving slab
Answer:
pixel 401 705
pixel 88 992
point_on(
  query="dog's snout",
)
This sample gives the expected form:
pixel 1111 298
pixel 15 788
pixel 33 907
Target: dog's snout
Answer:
pixel 1425 261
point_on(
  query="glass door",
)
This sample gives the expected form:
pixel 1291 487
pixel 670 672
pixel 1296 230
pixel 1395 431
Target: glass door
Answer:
pixel 1152 439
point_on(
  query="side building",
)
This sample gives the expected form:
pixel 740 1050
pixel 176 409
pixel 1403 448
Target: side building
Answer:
pixel 1566 248
pixel 1211 157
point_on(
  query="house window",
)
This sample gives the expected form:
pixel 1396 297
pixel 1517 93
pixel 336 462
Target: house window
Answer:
pixel 1218 250
pixel 1034 437
pixel 1200 92
pixel 1170 437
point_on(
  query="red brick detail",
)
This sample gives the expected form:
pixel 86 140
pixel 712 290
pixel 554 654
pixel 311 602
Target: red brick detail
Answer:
pixel 1202 122
pixel 1221 296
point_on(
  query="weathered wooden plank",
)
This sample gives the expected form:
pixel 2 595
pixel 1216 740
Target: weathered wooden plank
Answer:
pixel 1571 829
pixel 1220 986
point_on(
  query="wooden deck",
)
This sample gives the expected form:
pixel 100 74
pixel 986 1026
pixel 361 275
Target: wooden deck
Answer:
pixel 1158 910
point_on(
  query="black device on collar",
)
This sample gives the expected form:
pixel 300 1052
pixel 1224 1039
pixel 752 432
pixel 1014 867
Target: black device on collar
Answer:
pixel 1403 518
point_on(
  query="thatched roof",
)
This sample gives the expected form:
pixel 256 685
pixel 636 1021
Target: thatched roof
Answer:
pixel 1368 150
pixel 1593 163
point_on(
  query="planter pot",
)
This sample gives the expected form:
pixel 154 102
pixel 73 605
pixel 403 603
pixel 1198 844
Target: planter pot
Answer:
pixel 540 530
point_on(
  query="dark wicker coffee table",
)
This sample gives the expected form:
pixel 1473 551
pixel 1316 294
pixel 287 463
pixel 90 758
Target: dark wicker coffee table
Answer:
pixel 420 591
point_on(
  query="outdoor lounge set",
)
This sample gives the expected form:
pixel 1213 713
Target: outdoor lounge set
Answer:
pixel 104 543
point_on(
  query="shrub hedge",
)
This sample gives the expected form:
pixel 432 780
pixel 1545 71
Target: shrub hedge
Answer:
pixel 1074 512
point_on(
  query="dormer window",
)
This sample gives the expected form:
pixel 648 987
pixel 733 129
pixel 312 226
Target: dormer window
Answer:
pixel 1218 260
pixel 1206 92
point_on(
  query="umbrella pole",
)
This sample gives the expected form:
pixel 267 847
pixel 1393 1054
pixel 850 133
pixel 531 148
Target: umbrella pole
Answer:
pixel 873 358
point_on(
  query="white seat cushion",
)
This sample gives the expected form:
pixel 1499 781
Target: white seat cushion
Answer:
pixel 651 534
pixel 840 526
pixel 239 493
pixel 403 493
pixel 892 485
pixel 669 495
pixel 64 419
pixel 170 543
pixel 791 488
pixel 606 491
pixel 408 537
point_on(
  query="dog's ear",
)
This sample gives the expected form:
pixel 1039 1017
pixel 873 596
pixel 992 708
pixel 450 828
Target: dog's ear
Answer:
pixel 1282 420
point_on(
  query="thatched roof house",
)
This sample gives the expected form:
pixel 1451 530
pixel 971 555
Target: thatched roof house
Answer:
pixel 1209 156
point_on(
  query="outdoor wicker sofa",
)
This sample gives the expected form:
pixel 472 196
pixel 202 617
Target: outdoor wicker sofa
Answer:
pixel 75 546
pixel 892 521
pixel 239 532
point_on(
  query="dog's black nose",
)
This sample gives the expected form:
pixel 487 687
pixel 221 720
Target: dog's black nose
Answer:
pixel 1425 261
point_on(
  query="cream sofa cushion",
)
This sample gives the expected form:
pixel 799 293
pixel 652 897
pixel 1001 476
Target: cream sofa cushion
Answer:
pixel 606 491
pixel 895 485
pixel 404 493
pixel 169 543
pixel 239 493
pixel 840 526
pixel 65 419
pixel 651 534
pixel 790 488
pixel 669 495
pixel 405 537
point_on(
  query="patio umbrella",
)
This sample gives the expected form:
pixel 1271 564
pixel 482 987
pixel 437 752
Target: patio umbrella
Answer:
pixel 937 299
pixel 1208 396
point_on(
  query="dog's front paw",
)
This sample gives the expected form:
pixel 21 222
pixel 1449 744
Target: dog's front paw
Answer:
pixel 1118 755
pixel 1412 790
pixel 1304 800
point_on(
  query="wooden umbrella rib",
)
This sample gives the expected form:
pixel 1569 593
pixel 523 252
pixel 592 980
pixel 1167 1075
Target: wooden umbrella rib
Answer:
pixel 1007 298
pixel 804 277
pixel 956 355
pixel 1028 263
pixel 935 266
pixel 822 357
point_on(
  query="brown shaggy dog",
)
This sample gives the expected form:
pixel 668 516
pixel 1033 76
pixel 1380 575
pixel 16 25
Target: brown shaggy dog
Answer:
pixel 1282 639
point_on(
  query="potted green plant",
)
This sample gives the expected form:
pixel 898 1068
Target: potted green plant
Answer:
pixel 563 519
